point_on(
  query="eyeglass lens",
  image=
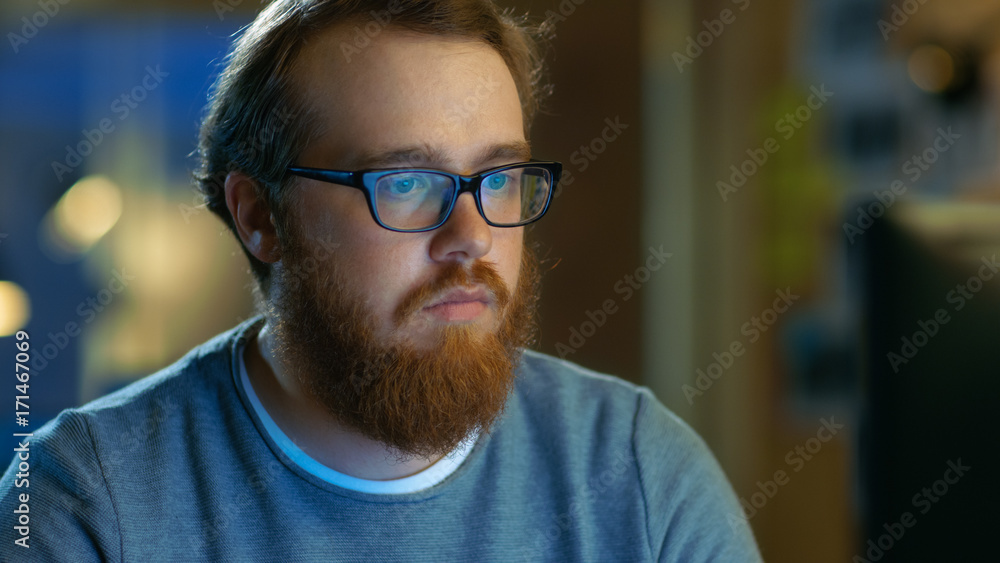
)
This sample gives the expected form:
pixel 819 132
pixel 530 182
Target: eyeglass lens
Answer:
pixel 417 200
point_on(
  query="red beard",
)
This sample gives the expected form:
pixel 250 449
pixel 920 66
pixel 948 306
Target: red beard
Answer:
pixel 417 402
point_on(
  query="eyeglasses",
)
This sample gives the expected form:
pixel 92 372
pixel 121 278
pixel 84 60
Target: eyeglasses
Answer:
pixel 415 200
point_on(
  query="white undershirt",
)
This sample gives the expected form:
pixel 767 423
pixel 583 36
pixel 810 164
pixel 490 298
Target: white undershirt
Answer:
pixel 423 480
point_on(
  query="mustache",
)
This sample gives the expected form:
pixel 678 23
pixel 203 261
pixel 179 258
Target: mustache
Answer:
pixel 452 276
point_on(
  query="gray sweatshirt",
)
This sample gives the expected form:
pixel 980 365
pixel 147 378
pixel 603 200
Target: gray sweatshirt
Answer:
pixel 180 466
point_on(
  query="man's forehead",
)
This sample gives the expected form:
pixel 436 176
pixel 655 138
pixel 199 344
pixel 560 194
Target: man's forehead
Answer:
pixel 424 154
pixel 410 100
pixel 332 52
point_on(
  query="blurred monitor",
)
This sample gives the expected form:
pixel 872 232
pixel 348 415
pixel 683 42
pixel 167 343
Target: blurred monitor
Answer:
pixel 929 450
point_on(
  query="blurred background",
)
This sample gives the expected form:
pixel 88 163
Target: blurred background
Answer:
pixel 823 175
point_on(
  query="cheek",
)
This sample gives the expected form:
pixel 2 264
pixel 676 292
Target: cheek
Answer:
pixel 333 211
pixel 339 230
pixel 507 247
pixel 382 269
pixel 336 219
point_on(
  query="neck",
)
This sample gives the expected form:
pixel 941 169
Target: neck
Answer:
pixel 314 430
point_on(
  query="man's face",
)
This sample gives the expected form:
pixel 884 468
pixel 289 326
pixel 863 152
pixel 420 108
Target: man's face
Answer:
pixel 409 338
pixel 409 101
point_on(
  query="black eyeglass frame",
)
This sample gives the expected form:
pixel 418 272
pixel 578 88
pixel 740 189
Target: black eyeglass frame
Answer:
pixel 365 180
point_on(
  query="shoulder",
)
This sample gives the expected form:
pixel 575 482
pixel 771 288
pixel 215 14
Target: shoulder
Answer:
pixel 92 462
pixel 208 364
pixel 604 420
pixel 590 411
pixel 197 380
pixel 147 415
pixel 550 384
pixel 543 376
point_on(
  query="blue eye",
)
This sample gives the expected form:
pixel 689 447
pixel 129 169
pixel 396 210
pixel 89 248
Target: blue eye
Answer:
pixel 497 182
pixel 401 185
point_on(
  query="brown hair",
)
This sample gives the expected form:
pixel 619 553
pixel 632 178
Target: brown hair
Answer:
pixel 256 125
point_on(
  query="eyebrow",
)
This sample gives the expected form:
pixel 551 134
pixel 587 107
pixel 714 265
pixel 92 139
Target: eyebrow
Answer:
pixel 427 155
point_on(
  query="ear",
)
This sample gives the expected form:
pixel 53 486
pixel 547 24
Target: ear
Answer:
pixel 252 215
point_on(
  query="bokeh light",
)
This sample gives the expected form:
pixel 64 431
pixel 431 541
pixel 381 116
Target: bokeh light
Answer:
pixel 931 68
pixel 84 214
pixel 15 308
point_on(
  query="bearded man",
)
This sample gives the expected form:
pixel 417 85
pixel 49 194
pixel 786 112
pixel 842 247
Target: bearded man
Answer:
pixel 382 406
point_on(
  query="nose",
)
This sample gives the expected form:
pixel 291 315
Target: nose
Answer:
pixel 464 237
